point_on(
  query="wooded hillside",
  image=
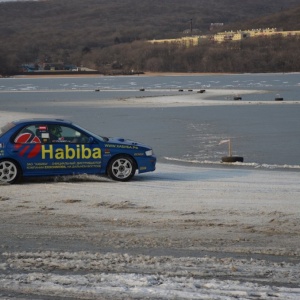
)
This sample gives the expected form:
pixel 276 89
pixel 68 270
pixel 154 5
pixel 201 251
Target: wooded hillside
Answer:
pixel 110 35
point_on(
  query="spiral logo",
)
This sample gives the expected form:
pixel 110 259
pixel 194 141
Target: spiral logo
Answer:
pixel 23 142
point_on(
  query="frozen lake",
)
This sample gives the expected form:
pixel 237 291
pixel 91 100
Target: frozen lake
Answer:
pixel 266 135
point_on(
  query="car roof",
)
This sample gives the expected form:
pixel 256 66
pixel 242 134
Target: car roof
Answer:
pixel 42 120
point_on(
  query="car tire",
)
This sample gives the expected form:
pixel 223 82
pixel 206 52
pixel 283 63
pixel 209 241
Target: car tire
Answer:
pixel 121 168
pixel 9 171
pixel 230 159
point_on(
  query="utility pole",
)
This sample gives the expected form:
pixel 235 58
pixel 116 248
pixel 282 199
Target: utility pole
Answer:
pixel 191 26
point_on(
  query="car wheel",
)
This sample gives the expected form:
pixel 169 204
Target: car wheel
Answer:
pixel 9 171
pixel 121 168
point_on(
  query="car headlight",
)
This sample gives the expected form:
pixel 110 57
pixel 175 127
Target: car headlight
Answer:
pixel 149 152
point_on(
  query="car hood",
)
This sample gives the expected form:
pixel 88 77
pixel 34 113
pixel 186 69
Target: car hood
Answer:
pixel 122 141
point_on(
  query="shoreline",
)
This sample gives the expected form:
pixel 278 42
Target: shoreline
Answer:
pixel 145 74
pixel 150 74
pixel 95 75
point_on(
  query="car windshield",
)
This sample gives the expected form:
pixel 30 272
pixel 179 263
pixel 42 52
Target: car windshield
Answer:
pixel 6 127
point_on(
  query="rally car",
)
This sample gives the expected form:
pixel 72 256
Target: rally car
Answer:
pixel 53 147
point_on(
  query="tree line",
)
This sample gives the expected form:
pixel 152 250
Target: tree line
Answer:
pixel 272 54
pixel 110 36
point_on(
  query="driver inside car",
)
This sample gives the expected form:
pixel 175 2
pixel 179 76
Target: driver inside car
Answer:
pixel 55 134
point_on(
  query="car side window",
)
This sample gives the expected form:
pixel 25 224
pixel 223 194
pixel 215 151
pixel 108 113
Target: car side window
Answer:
pixel 27 135
pixel 54 133
pixel 49 134
pixel 70 135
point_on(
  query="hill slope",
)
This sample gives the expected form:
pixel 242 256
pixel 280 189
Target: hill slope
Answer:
pixel 64 30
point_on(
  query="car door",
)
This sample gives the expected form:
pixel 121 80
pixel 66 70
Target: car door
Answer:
pixel 70 151
pixel 25 147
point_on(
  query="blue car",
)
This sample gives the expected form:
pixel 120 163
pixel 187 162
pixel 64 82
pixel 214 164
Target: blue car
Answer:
pixel 53 147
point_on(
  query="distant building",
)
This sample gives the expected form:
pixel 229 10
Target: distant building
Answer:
pixel 184 41
pixel 53 66
pixel 28 68
pixel 226 36
pixel 214 26
pixel 242 34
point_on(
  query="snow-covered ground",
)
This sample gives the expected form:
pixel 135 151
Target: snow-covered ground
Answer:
pixel 84 275
pixel 178 233
pixel 181 232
